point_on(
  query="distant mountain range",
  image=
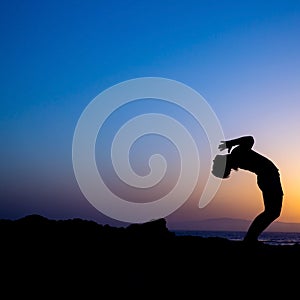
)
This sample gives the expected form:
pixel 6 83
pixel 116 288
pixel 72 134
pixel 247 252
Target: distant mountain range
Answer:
pixel 231 224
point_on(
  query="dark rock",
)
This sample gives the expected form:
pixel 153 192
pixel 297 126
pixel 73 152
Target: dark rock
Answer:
pixel 147 258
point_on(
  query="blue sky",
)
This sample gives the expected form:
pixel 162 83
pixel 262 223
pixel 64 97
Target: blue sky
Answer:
pixel 243 57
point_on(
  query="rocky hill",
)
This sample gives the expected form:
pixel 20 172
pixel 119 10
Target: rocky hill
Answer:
pixel 79 257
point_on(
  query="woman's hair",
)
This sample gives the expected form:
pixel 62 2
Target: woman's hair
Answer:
pixel 221 166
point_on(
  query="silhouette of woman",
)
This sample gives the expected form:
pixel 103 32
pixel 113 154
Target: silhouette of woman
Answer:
pixel 268 180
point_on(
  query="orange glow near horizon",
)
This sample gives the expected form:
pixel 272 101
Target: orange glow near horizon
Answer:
pixel 239 197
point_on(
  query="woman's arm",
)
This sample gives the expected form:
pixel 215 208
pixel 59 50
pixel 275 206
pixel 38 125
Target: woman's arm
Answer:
pixel 246 142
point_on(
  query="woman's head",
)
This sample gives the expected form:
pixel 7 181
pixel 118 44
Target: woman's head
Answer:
pixel 221 166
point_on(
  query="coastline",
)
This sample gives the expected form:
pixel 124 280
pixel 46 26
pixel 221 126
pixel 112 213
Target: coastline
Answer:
pixel 275 238
pixel 141 257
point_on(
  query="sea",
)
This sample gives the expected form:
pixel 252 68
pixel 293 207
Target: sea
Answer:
pixel 271 238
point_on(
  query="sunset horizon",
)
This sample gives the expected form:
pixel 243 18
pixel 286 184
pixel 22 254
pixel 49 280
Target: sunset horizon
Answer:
pixel 200 70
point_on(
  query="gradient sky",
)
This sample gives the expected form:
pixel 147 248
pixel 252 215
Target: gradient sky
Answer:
pixel 243 57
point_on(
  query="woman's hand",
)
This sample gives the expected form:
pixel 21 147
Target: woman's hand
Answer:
pixel 224 145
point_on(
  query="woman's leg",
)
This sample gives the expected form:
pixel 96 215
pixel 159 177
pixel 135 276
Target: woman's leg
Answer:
pixel 273 204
